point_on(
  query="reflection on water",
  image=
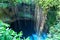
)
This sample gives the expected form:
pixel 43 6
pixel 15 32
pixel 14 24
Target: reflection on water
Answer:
pixel 35 37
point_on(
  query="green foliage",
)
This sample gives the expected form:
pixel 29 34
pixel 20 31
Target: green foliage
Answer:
pixel 54 32
pixel 4 5
pixel 51 16
pixel 25 1
pixel 54 23
pixel 47 3
pixel 42 3
pixel 6 33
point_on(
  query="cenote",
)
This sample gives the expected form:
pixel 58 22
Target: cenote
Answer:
pixel 25 22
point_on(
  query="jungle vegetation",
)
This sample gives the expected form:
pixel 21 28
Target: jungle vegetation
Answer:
pixel 50 17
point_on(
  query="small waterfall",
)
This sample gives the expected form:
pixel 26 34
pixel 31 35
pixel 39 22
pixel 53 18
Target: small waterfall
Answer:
pixel 40 20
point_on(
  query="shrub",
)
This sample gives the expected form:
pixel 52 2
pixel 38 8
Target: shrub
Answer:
pixel 8 34
pixel 54 32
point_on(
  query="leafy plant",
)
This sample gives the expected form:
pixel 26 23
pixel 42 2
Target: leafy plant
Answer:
pixel 54 33
pixel 6 33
